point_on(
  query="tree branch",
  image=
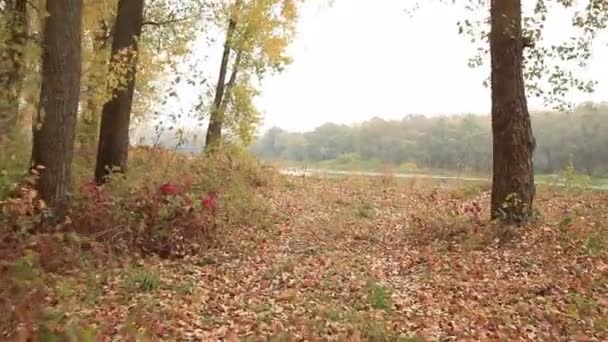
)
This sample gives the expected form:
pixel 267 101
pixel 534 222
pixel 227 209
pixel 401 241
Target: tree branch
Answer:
pixel 34 6
pixel 231 82
pixel 528 42
pixel 165 22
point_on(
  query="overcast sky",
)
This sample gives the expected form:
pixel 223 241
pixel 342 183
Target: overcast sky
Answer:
pixel 358 59
pixel 363 58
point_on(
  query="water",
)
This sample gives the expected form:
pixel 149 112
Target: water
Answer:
pixel 319 172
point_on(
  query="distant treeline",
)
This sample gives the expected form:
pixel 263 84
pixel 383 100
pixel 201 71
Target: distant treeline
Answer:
pixel 450 143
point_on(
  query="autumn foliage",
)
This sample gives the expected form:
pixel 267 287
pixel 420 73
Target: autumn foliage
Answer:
pixel 154 211
pixel 305 258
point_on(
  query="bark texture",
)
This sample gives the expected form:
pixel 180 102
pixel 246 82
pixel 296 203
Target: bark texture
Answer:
pixel 55 124
pixel 513 142
pixel 113 146
pixel 11 64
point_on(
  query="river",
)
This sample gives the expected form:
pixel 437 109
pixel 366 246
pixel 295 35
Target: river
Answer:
pixel 322 172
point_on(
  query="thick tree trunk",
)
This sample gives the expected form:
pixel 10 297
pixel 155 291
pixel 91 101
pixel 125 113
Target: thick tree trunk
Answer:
pixel 513 177
pixel 113 146
pixel 55 124
pixel 214 130
pixel 11 65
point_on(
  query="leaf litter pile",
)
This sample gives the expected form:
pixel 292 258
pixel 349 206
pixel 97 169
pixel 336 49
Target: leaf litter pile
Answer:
pixel 355 259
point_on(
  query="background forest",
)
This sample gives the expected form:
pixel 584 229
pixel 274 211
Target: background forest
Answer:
pixel 457 143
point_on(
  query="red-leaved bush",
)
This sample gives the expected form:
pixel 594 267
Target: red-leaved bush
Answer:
pixel 165 220
pixel 209 202
pixel 170 188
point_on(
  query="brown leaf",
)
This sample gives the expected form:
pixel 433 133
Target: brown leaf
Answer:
pixel 231 336
pixel 287 295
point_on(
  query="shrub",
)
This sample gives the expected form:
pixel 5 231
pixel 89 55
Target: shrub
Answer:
pixel 171 211
pixel 572 179
pixel 348 158
pixel 167 204
pixel 409 167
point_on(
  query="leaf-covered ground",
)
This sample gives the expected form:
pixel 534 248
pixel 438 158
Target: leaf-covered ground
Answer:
pixel 369 260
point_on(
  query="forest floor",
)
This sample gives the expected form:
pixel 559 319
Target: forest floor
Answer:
pixel 354 259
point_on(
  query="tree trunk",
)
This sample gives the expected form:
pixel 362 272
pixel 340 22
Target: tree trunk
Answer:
pixel 231 83
pixel 11 65
pixel 214 130
pixel 55 124
pixel 113 146
pixel 513 142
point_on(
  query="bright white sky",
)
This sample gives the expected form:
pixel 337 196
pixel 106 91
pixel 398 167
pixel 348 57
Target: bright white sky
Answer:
pixel 363 58
pixel 358 59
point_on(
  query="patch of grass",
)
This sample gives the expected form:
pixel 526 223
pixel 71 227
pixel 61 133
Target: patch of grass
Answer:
pixel 601 324
pixel 87 289
pixel 204 261
pixel 266 225
pixel 25 268
pixel 595 244
pixel 206 319
pixel 186 288
pixel 69 333
pixel 375 331
pixel 474 242
pixel 334 314
pixel 380 297
pixel 582 305
pixel 284 266
pixel 142 280
pixel 290 185
pixel 365 210
pixel 14 159
pixel 472 189
pixel 66 289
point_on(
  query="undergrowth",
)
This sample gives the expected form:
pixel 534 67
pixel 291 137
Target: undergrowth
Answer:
pixel 168 205
pixel 212 247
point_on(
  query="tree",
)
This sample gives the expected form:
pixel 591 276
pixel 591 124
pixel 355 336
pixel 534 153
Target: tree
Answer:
pixel 513 142
pixel 257 35
pixel 55 123
pixel 113 146
pixel 12 45
pixel 513 147
pixel 214 130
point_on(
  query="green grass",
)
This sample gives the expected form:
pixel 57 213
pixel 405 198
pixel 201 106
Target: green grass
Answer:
pixel 142 280
pixel 553 179
pixel 380 297
pixel 365 210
